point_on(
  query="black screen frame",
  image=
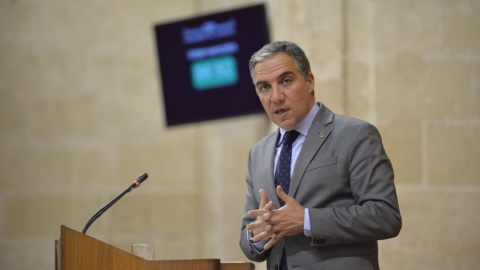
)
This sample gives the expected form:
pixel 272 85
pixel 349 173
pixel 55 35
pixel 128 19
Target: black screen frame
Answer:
pixel 183 104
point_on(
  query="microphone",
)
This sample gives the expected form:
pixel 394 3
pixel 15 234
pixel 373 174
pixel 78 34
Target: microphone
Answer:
pixel 136 183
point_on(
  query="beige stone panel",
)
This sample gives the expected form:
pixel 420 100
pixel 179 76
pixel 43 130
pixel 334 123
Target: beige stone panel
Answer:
pixel 425 260
pixel 440 221
pixel 12 167
pixel 402 142
pixel 236 165
pixel 476 89
pixel 94 117
pixel 359 29
pixel 89 19
pixel 331 94
pixel 95 168
pixel 412 87
pixel 224 153
pixel 32 19
pixel 31 215
pixel 314 25
pixel 228 203
pixel 171 166
pixel 36 167
pixel 460 30
pixel 47 166
pixel 449 90
pixel 360 98
pixel 58 167
pixel 64 119
pixel 30 254
pixel 453 152
pixel 359 65
pixel 42 67
pixel 211 6
pixel 233 202
pixel 427 27
pixel 121 68
pixel 401 87
pixel 133 21
pixel 329 84
pixel 125 79
pixel 13 118
pixel 231 137
pixel 438 231
pixel 236 137
pixel 157 214
pixel 405 25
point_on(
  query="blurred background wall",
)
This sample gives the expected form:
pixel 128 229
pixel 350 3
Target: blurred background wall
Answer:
pixel 81 115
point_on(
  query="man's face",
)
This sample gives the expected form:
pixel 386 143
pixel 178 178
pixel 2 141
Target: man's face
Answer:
pixel 285 95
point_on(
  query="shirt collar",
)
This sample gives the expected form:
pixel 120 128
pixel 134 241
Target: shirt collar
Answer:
pixel 304 125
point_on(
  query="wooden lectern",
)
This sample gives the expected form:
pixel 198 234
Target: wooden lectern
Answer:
pixel 77 251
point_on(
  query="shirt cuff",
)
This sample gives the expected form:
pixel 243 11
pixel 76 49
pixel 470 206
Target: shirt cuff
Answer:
pixel 259 246
pixel 306 224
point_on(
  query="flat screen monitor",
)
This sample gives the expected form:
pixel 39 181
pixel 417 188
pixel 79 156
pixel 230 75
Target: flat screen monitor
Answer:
pixel 203 64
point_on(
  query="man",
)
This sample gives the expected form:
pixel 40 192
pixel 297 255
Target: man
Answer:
pixel 320 190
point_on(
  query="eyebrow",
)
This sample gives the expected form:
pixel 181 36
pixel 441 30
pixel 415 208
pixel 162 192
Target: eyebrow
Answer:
pixel 283 74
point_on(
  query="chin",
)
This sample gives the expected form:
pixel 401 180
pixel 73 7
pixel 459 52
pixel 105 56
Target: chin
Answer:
pixel 286 126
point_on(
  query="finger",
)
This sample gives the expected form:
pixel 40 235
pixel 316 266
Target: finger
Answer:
pixel 270 243
pixel 274 238
pixel 266 216
pixel 282 195
pixel 269 206
pixel 263 198
pixel 261 236
pixel 255 225
pixel 265 235
pixel 257 212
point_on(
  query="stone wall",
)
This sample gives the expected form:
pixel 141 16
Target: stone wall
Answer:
pixel 81 115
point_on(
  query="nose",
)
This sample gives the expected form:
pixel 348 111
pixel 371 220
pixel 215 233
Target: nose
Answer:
pixel 277 94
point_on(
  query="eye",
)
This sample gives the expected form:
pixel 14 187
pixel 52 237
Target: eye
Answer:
pixel 286 81
pixel 263 87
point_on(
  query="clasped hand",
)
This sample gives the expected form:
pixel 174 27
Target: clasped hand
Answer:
pixel 274 224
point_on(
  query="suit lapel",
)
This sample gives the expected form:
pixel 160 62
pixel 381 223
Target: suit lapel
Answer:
pixel 317 134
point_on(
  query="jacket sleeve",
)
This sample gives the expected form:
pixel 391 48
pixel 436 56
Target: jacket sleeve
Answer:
pixel 375 215
pixel 252 202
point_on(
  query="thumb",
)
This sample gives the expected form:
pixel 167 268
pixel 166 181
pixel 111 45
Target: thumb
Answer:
pixel 282 195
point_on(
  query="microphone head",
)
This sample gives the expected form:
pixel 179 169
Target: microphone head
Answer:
pixel 142 178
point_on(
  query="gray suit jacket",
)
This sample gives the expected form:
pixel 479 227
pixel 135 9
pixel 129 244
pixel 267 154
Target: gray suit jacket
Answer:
pixel 345 179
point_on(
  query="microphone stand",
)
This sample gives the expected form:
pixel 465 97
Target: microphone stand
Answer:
pixel 134 185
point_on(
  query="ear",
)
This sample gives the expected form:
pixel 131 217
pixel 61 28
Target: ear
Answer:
pixel 310 82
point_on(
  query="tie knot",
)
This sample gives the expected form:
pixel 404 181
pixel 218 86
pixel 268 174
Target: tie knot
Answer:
pixel 290 137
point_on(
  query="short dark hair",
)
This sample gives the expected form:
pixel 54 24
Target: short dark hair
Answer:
pixel 291 49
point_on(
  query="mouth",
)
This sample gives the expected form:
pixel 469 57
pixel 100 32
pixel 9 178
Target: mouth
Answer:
pixel 281 112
